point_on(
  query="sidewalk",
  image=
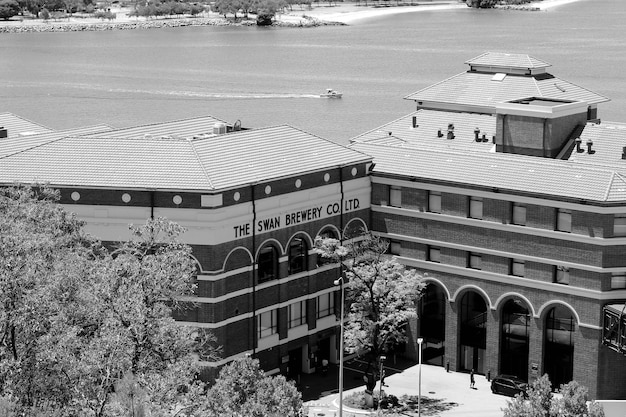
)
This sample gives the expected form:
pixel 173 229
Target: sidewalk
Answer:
pixel 450 387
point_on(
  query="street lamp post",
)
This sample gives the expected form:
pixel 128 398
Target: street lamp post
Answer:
pixel 382 370
pixel 419 378
pixel 340 282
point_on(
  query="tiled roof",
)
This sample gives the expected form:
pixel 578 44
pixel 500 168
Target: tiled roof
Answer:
pixel 478 89
pixel 608 142
pixel 18 126
pixel 400 132
pixel 17 144
pixel 203 164
pixel 504 60
pixel 504 172
pixel 186 128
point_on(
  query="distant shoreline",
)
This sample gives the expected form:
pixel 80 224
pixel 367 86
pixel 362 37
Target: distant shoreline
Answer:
pixel 342 14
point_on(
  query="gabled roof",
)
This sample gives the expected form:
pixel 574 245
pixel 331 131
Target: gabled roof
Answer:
pixel 17 144
pixel 506 60
pixel 481 90
pixel 505 172
pixel 209 163
pixel 18 126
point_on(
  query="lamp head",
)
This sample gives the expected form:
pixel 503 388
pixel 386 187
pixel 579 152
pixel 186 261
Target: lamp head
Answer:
pixel 383 357
pixel 419 341
pixel 337 281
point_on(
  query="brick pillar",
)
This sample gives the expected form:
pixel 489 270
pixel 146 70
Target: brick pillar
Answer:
pixel 535 349
pixel 452 336
pixel 492 361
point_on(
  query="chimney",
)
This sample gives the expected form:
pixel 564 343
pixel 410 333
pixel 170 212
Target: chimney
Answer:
pixel 589 144
pixel 451 131
pixel 415 122
pixel 476 133
pixel 3 132
pixel 578 141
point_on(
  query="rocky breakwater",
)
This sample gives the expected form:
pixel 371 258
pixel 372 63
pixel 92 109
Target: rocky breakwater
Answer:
pixel 147 24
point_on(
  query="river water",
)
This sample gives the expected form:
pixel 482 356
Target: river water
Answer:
pixel 273 76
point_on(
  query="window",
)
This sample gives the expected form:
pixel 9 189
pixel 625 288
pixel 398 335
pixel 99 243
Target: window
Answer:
pixel 325 305
pixel 268 323
pixel 298 253
pixel 561 275
pixel 476 208
pixel 434 202
pixel 475 261
pixel 395 196
pixel 618 281
pixel 434 254
pixel 518 214
pixel 619 225
pixel 564 220
pixel 297 314
pixel 395 247
pixel 268 264
pixel 517 267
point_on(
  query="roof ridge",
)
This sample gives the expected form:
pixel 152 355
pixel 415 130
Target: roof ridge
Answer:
pixel 433 85
pixel 610 186
pixel 37 146
pixel 202 167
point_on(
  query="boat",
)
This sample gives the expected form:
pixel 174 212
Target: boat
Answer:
pixel 330 93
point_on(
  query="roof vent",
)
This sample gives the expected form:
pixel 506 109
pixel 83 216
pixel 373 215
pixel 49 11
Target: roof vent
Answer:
pixel 589 144
pixel 219 128
pixel 500 76
pixel 476 133
pixel 451 131
pixel 579 141
pixel 624 152
pixel 3 132
pixel 439 134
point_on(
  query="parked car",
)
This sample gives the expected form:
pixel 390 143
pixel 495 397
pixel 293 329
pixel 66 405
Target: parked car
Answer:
pixel 508 385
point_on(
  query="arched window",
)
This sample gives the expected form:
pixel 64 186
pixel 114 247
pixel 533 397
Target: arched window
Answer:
pixel 268 264
pixel 514 345
pixel 559 345
pixel 298 254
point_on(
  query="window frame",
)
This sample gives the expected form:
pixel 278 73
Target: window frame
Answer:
pixel 561 275
pixel 298 255
pixel 436 251
pixel 475 208
pixel 619 225
pixel 516 271
pixel 264 331
pixel 395 247
pixel 564 220
pixel 518 219
pixel 622 278
pixel 434 196
pixel 297 320
pixel 395 196
pixel 267 269
pixel 475 261
pixel 330 307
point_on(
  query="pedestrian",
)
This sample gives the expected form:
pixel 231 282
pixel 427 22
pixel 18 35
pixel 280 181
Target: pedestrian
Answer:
pixel 472 381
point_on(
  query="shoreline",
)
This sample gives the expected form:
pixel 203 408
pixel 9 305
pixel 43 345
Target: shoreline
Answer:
pixel 341 14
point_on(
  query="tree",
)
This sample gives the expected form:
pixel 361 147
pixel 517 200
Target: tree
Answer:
pixel 541 403
pixel 242 389
pixel 8 9
pixel 381 292
pixel 76 319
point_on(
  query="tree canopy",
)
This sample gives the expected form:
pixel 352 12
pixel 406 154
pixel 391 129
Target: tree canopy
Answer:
pixel 541 403
pixel 77 319
pixel 381 293
pixel 8 9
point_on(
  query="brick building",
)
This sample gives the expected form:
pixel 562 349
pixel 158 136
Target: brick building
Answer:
pixel 507 191
pixel 503 187
pixel 252 202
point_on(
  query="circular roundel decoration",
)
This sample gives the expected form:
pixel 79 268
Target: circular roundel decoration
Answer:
pixel 268 189
pixel 75 196
pixel 298 183
pixel 326 177
pixel 354 171
pixel 236 196
pixel 177 199
pixel 126 198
